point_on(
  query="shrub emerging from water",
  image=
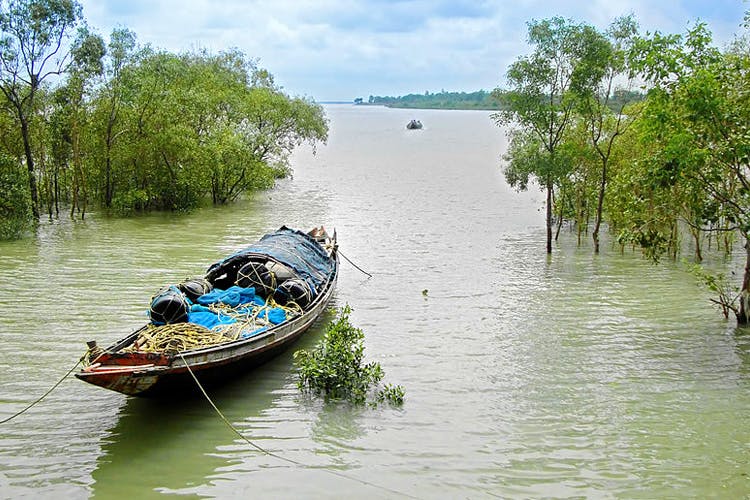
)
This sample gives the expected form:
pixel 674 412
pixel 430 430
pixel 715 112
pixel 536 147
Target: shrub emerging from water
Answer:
pixel 15 205
pixel 335 367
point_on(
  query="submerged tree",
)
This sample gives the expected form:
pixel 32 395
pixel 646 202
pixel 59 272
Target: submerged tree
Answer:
pixel 32 49
pixel 70 121
pixel 697 122
pixel 15 206
pixel 121 51
pixel 260 128
pixel 133 128
pixel 177 128
pixel 541 101
pixel 605 118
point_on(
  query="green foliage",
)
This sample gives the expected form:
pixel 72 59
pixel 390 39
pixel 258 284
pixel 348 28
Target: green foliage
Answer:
pixel 32 30
pixel 88 53
pixel 672 164
pixel 393 394
pixel 336 368
pixel 577 198
pixel 603 67
pixel 527 157
pixel 689 158
pixel 15 204
pixel 544 87
pixel 694 131
pixel 194 125
pixel 727 295
pixel 134 129
pixel 33 48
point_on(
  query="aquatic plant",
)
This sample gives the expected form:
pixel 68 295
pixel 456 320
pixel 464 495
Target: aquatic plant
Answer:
pixel 336 369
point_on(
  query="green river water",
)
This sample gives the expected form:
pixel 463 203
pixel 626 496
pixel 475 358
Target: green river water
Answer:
pixel 575 376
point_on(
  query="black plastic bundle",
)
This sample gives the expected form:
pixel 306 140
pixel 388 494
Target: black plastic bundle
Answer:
pixel 195 287
pixel 256 274
pixel 168 306
pixel 293 290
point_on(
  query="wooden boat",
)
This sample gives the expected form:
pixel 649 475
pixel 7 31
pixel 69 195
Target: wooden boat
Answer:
pixel 156 360
pixel 414 125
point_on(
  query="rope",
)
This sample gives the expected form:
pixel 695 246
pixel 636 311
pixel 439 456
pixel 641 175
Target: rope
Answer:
pixel 253 277
pixel 46 393
pixel 270 453
pixel 176 336
pixel 352 263
pixel 247 318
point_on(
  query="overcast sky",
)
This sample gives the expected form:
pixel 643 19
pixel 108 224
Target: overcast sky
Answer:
pixel 340 50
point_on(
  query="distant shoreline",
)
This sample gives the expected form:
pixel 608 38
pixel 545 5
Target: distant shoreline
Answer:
pixel 406 106
pixel 479 100
pixel 456 107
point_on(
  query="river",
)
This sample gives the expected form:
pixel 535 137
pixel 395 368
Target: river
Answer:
pixel 579 375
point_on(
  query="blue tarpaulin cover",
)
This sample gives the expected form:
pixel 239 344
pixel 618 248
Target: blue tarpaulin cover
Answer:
pixel 293 248
pixel 208 318
pixel 233 297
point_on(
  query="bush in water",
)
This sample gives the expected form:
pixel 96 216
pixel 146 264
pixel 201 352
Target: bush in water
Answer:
pixel 335 367
pixel 15 204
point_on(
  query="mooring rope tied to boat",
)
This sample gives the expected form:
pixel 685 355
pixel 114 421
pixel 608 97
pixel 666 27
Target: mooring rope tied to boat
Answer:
pixel 338 250
pixel 272 454
pixel 39 400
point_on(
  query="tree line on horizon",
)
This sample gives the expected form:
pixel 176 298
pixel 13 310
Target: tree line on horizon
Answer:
pixel 480 100
pixel 663 173
pixel 116 126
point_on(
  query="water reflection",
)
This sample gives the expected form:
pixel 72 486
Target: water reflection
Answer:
pixel 337 428
pixel 741 336
pixel 171 445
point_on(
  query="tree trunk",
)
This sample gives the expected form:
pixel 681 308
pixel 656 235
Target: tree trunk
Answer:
pixel 560 215
pixel 549 217
pixel 599 207
pixel 742 315
pixel 108 188
pixel 30 166
pixel 697 239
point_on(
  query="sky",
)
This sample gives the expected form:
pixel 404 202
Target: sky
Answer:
pixel 336 50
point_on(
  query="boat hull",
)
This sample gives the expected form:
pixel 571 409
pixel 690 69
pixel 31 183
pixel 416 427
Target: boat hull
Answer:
pixel 160 375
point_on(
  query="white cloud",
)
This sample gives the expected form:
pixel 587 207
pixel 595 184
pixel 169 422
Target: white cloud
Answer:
pixel 331 49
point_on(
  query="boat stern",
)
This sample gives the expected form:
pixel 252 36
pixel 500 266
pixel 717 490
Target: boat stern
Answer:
pixel 129 373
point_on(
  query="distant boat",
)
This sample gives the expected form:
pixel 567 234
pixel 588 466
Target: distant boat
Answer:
pixel 414 125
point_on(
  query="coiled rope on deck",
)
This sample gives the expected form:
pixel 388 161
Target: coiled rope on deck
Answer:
pixel 275 455
pixel 176 337
pixel 185 336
